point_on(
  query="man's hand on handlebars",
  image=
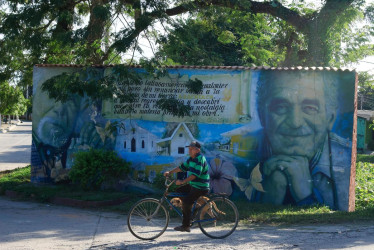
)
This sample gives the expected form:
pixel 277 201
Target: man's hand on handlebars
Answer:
pixel 178 182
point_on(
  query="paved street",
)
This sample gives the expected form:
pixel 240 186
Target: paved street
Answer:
pixel 26 225
pixel 15 146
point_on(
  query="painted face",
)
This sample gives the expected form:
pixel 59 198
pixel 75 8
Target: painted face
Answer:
pixel 54 121
pixel 295 119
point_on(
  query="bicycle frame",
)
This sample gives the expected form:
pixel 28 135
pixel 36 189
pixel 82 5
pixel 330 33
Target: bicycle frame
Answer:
pixel 174 194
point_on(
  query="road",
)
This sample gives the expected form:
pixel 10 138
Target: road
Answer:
pixel 15 147
pixel 27 225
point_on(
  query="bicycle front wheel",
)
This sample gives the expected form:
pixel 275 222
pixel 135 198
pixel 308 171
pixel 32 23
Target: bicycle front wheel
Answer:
pixel 148 219
pixel 218 218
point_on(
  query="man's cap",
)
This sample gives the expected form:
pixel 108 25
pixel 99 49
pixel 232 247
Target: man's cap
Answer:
pixel 194 144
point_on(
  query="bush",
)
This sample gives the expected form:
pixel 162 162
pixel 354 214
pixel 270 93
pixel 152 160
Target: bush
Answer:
pixel 365 158
pixel 364 185
pixel 92 168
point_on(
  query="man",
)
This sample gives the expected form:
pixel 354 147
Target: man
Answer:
pixel 303 162
pixel 196 167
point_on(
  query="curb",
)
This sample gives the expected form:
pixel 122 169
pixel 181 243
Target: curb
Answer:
pixel 73 202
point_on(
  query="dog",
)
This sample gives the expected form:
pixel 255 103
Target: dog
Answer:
pixel 201 201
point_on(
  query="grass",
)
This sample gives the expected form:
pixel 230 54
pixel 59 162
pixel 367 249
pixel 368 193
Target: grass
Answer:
pixel 19 180
pixel 270 214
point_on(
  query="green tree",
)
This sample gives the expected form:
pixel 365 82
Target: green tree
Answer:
pixel 12 101
pixel 365 91
pixel 87 31
pixel 220 36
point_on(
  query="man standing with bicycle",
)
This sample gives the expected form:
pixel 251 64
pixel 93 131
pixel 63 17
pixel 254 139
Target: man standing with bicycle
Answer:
pixel 197 182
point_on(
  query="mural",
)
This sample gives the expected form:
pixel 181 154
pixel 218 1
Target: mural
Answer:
pixel 276 136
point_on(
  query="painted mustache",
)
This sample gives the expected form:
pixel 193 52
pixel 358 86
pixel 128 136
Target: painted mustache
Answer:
pixel 301 131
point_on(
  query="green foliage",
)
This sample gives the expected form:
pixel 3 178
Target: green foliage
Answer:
pixel 221 37
pixel 356 38
pixel 90 169
pixel 364 185
pixel 12 101
pixel 365 158
pixel 195 86
pixel 173 106
pixel 365 91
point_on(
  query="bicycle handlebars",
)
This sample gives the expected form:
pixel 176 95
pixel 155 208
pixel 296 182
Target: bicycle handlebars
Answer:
pixel 168 182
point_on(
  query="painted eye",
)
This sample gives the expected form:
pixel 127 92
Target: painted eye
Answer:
pixel 280 108
pixel 310 109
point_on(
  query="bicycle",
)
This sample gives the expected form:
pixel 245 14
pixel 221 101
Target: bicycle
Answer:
pixel 148 218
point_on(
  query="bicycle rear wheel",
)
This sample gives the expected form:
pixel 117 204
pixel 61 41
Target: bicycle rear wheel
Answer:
pixel 218 218
pixel 148 219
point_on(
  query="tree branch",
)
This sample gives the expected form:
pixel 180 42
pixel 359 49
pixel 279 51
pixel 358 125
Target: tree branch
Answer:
pixel 331 10
pixel 273 8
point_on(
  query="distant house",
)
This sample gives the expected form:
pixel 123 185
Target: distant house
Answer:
pixel 243 143
pixel 135 139
pixel 175 145
pixel 365 135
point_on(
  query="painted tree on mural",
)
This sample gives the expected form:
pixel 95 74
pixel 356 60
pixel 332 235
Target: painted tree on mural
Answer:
pixel 103 31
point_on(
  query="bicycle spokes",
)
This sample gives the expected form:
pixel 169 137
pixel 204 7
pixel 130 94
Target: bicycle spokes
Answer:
pixel 148 219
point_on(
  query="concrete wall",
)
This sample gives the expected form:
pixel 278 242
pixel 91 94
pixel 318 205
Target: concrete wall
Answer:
pixel 269 135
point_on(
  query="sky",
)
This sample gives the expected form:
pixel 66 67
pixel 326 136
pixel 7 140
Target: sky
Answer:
pixel 366 64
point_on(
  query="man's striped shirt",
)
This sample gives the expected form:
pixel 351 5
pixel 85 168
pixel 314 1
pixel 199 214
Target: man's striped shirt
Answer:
pixel 197 166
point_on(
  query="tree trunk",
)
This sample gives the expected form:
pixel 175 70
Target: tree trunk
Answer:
pixel 95 31
pixel 318 47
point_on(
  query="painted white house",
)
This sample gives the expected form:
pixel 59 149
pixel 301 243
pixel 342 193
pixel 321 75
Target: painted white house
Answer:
pixel 135 139
pixel 175 145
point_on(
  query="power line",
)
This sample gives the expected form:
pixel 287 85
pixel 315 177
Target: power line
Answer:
pixel 367 62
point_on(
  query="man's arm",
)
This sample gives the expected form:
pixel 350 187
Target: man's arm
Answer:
pixel 181 182
pixel 175 170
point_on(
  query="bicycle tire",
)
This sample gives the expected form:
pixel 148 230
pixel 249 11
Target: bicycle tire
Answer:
pixel 144 227
pixel 221 221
